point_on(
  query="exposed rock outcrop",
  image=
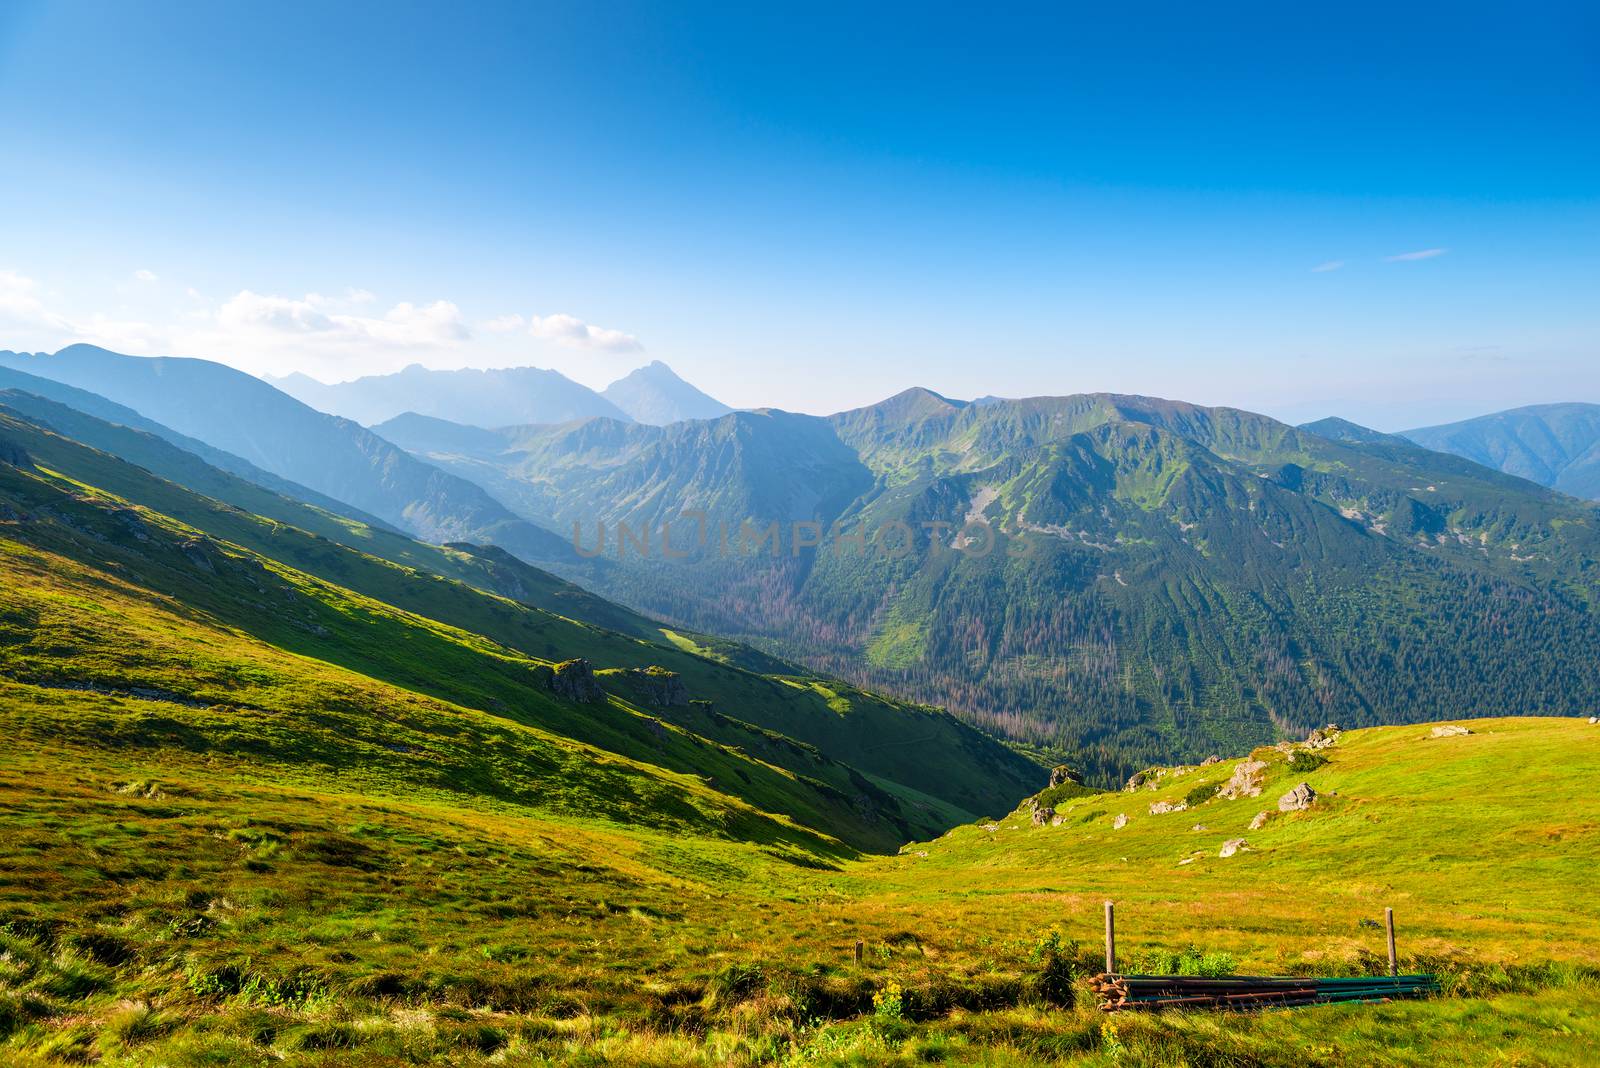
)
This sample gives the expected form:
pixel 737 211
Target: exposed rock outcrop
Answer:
pixel 1160 808
pixel 1246 780
pixel 1043 815
pixel 198 551
pixel 1323 737
pixel 1260 821
pixel 659 687
pixel 1297 800
pixel 573 680
pixel 1449 730
pixel 1062 773
pixel 1120 822
pixel 1150 778
pixel 1232 846
pixel 1147 777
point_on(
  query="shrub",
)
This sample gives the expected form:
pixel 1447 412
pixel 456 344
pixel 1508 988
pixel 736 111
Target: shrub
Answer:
pixel 1200 794
pixel 1191 961
pixel 1304 760
pixel 1059 967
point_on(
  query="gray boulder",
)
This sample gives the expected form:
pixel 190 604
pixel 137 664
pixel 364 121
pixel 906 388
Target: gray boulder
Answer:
pixel 1260 821
pixel 1322 737
pixel 1062 774
pixel 1449 730
pixel 1246 780
pixel 1232 846
pixel 1042 815
pixel 1297 800
pixel 1120 822
pixel 1146 779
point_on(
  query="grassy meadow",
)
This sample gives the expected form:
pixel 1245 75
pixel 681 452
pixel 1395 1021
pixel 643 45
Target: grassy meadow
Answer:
pixel 170 908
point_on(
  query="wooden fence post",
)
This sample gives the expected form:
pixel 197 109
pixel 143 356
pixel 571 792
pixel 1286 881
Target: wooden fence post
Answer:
pixel 1394 961
pixel 860 947
pixel 1111 939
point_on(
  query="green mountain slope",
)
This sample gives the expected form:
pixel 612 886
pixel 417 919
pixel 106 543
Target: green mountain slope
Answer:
pixel 63 407
pixel 1165 580
pixel 233 411
pixel 925 767
pixel 1555 445
pixel 219 629
pixel 1335 429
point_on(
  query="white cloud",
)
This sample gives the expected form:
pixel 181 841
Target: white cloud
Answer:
pixel 144 275
pixel 252 311
pixel 505 324
pixel 313 316
pixel 20 303
pixel 1420 254
pixel 575 333
pixel 1331 265
pixel 332 337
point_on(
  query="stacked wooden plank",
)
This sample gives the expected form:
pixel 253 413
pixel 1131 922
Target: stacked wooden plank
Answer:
pixel 1123 993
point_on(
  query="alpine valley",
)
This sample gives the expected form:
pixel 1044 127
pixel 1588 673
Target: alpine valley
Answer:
pixel 1110 580
pixel 434 742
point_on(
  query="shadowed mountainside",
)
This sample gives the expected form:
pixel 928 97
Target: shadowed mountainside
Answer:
pixel 1556 445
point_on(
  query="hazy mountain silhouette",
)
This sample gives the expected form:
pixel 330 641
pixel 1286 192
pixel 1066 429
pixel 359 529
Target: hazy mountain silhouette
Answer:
pixel 654 394
pixel 1556 445
pixel 504 397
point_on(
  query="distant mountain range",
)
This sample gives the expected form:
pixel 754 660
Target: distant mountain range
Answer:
pixel 1166 578
pixel 249 419
pixel 1555 445
pixel 512 396
pixel 476 398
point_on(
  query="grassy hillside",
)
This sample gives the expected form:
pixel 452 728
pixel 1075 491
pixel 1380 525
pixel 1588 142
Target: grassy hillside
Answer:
pixel 249 656
pixel 926 769
pixel 974 774
pixel 179 906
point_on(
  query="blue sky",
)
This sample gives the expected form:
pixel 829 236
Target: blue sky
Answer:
pixel 816 207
